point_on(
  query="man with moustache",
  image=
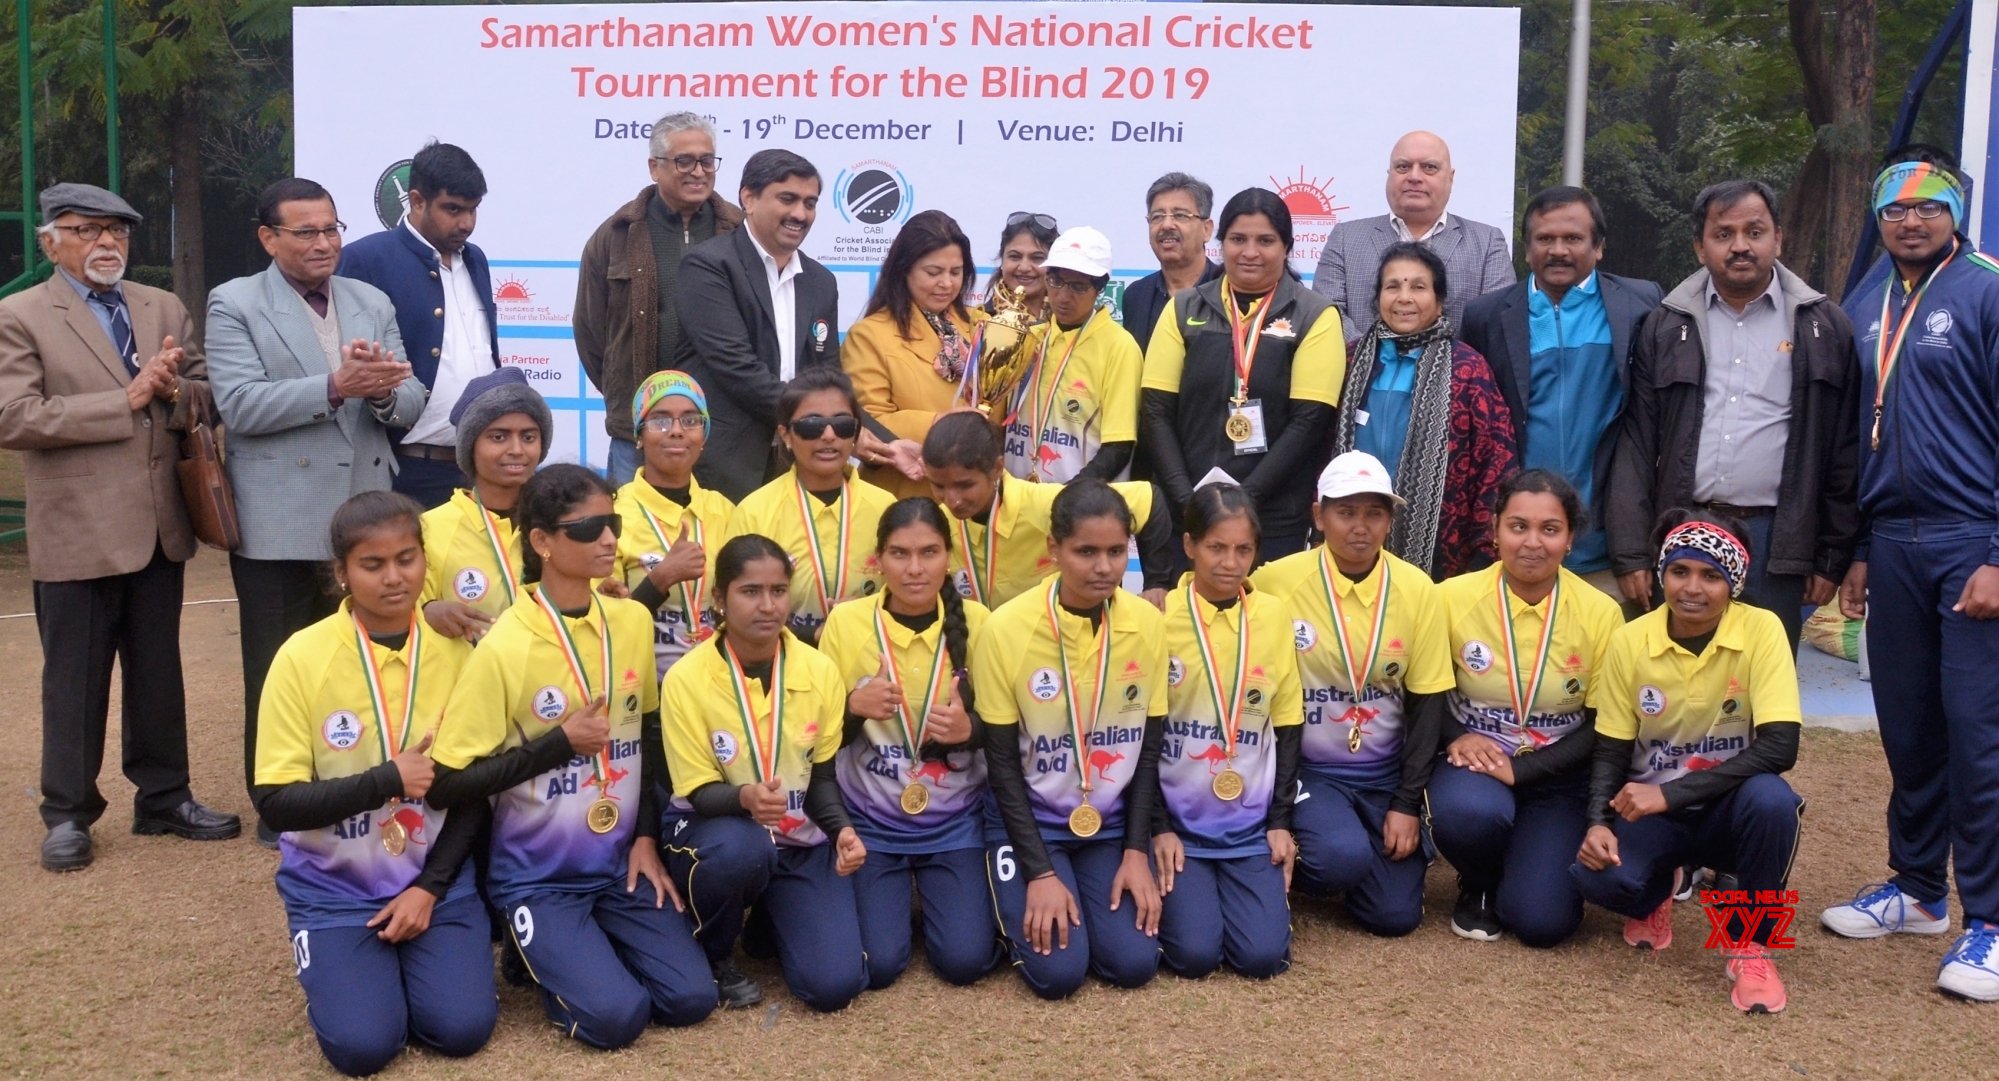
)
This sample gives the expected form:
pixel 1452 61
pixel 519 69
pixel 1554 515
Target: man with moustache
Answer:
pixel 97 374
pixel 1419 188
pixel 626 318
pixel 443 292
pixel 1926 575
pixel 754 312
pixel 1743 402
pixel 1179 220
pixel 1558 344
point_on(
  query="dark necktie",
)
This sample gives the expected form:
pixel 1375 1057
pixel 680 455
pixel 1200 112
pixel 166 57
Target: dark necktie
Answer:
pixel 121 329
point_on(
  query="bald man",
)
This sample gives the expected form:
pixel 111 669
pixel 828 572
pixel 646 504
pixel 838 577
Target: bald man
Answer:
pixel 1419 188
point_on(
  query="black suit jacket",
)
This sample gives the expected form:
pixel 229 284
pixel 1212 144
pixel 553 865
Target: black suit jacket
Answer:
pixel 1496 326
pixel 729 343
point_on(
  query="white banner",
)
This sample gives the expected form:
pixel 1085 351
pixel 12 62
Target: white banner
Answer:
pixel 978 109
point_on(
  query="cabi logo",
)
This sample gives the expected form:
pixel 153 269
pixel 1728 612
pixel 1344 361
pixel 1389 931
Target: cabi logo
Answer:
pixel 873 193
pixel 392 193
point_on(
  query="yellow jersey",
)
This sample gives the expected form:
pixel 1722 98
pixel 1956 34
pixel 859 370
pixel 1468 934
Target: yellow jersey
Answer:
pixel 652 526
pixel 832 545
pixel 1081 393
pixel 995 571
pixel 470 555
pixel 1036 666
pixel 318 721
pixel 531 671
pixel 1483 699
pixel 875 768
pixel 1339 622
pixel 1689 713
pixel 708 738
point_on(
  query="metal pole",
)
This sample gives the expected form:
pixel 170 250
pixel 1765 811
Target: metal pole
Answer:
pixel 1572 135
pixel 111 92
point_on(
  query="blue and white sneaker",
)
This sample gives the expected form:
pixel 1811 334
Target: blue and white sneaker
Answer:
pixel 1971 968
pixel 1883 909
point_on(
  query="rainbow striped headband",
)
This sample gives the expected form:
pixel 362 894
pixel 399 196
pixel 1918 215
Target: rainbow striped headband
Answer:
pixel 1710 544
pixel 1919 180
pixel 662 385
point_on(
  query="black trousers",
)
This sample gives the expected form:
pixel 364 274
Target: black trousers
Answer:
pixel 275 599
pixel 85 625
pixel 430 481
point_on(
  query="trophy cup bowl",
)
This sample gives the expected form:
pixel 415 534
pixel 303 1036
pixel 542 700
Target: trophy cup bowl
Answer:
pixel 1000 354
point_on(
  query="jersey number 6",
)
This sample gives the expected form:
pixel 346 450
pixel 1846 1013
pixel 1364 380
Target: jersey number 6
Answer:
pixel 1003 864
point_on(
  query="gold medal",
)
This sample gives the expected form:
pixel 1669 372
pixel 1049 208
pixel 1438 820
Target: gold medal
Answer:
pixel 1238 428
pixel 602 816
pixel 915 798
pixel 1084 821
pixel 1353 739
pixel 1523 750
pixel 1227 785
pixel 395 838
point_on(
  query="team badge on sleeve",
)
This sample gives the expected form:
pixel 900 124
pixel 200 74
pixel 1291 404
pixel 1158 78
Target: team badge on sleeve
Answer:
pixel 550 703
pixel 1044 684
pixel 725 747
pixel 470 584
pixel 1176 670
pixel 342 730
pixel 1477 656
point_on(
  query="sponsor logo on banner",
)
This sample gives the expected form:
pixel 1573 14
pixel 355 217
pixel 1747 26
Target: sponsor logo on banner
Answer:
pixel 1313 215
pixel 515 297
pixel 873 197
pixel 392 193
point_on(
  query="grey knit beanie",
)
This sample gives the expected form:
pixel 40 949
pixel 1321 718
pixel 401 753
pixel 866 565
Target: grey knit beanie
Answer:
pixel 488 398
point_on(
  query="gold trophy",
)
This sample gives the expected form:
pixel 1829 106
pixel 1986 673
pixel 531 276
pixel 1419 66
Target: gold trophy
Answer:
pixel 998 355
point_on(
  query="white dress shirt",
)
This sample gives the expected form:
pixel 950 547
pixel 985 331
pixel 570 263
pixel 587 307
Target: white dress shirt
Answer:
pixel 783 305
pixel 1402 227
pixel 466 353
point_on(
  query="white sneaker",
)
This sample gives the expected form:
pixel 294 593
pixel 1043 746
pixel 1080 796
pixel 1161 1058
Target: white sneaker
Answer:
pixel 1883 909
pixel 1970 968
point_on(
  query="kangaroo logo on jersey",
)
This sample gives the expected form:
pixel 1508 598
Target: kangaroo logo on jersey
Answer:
pixel 342 730
pixel 725 747
pixel 1651 700
pixel 1176 670
pixel 1044 684
pixel 470 585
pixel 550 703
pixel 1303 635
pixel 1477 656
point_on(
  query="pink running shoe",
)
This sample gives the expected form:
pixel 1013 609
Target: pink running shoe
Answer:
pixel 1654 932
pixel 1757 986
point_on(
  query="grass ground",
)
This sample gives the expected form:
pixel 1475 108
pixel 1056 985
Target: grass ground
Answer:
pixel 170 959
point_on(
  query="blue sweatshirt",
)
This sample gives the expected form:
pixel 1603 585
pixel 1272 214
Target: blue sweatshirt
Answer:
pixel 1939 456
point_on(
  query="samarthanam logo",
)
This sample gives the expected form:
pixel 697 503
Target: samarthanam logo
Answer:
pixel 392 193
pixel 873 193
pixel 515 296
pixel 1313 215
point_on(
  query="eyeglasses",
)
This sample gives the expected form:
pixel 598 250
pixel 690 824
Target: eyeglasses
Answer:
pixel 1928 208
pixel 1177 217
pixel 1082 287
pixel 307 236
pixel 585 530
pixel 812 426
pixel 1043 220
pixel 688 163
pixel 664 424
pixel 90 231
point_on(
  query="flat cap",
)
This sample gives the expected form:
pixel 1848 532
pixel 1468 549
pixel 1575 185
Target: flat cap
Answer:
pixel 60 199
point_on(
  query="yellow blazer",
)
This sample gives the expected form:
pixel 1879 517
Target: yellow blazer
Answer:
pixel 897 384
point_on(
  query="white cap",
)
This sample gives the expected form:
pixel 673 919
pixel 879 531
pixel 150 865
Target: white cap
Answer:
pixel 1083 250
pixel 1355 473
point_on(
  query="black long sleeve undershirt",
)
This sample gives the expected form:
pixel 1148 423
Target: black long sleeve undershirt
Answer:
pixel 1290 752
pixel 652 753
pixel 1773 750
pixel 311 805
pixel 1303 434
pixel 495 773
pixel 823 803
pixel 1110 461
pixel 1423 718
pixel 1155 544
pixel 1156 410
pixel 648 594
pixel 1007 780
pixel 1142 795
pixel 1564 759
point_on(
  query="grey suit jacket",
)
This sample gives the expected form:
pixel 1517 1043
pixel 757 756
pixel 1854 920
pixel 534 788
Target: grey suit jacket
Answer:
pixel 1474 254
pixel 292 457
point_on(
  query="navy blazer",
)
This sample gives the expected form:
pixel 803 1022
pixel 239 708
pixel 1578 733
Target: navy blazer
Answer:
pixel 1496 325
pixel 1145 301
pixel 400 264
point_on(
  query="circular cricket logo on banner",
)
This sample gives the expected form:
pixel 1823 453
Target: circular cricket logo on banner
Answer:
pixel 342 730
pixel 873 193
pixel 392 193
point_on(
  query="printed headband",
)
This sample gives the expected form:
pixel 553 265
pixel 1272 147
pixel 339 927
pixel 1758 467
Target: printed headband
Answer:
pixel 1709 544
pixel 1919 180
pixel 662 385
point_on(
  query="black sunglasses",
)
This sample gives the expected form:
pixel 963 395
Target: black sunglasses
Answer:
pixel 812 426
pixel 1046 221
pixel 585 530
